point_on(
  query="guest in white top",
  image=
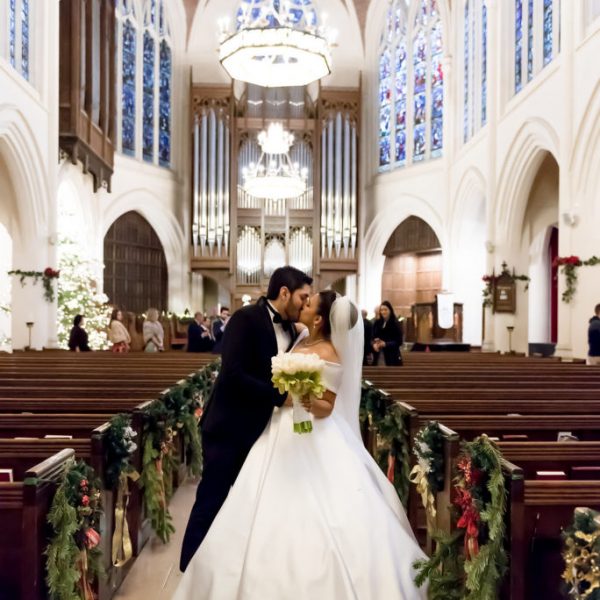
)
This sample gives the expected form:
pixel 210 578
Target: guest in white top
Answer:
pixel 153 332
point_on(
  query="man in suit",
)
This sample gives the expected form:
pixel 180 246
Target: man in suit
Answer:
pixel 218 329
pixel 243 397
pixel 199 337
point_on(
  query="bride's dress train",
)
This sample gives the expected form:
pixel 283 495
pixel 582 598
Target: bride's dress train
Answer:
pixel 310 517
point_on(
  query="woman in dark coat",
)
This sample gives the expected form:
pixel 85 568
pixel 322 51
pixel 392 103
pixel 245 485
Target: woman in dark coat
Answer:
pixel 78 340
pixel 387 337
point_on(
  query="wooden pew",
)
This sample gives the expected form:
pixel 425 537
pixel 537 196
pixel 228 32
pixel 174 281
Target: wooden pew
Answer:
pixel 24 506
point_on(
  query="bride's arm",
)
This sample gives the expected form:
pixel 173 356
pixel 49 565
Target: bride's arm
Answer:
pixel 320 407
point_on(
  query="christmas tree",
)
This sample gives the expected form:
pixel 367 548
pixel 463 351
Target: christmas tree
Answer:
pixel 78 295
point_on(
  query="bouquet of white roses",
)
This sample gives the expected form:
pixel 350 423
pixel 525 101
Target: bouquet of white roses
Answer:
pixel 298 374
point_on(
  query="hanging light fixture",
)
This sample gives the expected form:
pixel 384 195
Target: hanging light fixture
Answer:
pixel 275 177
pixel 277 44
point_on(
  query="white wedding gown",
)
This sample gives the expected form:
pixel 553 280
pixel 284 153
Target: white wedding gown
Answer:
pixel 310 517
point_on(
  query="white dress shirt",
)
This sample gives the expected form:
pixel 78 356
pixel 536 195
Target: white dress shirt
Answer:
pixel 283 337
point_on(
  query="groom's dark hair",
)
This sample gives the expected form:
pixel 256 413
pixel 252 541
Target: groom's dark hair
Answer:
pixel 290 277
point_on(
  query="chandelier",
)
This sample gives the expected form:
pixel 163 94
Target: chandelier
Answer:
pixel 277 44
pixel 275 177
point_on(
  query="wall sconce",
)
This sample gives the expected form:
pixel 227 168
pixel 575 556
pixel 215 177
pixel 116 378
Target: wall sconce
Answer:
pixel 570 218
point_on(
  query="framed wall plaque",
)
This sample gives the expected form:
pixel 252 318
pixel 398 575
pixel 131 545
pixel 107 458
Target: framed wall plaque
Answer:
pixel 505 294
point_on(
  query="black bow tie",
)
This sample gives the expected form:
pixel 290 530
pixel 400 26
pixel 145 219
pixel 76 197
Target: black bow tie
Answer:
pixel 277 318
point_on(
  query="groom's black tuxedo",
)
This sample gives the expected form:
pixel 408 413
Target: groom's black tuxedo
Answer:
pixel 238 411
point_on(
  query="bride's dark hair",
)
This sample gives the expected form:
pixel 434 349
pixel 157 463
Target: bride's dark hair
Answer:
pixel 326 300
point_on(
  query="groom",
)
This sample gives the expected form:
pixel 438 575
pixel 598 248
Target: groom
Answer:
pixel 243 398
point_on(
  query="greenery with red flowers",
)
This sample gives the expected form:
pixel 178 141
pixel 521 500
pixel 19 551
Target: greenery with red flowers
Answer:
pixel 73 554
pixel 47 275
pixel 491 280
pixel 569 266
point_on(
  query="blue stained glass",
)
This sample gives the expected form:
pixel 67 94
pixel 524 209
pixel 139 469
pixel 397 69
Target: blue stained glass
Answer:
pixel 548 29
pixel 466 75
pixel 161 18
pixel 384 151
pixel 419 143
pixel 530 40
pixel 128 87
pixel 294 12
pixel 385 121
pixel 401 147
pixel 12 31
pixel 518 45
pixel 437 90
pixel 25 38
pixel 164 121
pixel 152 11
pixel 148 99
pixel 437 137
pixel 420 106
pixel 484 25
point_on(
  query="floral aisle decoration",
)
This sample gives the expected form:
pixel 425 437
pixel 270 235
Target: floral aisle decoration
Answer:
pixel 428 473
pixel 48 275
pixel 120 446
pixel 491 281
pixel 471 561
pixel 569 266
pixel 582 555
pixel 73 554
pixel 388 421
pixel 78 295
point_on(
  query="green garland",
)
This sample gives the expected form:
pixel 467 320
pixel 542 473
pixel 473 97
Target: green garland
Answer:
pixel 582 555
pixel 390 423
pixel 119 446
pixel 481 496
pixel 569 266
pixel 47 275
pixel 491 280
pixel 73 556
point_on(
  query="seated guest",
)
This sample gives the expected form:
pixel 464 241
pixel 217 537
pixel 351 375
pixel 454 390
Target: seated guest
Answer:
pixel 387 337
pixel 153 332
pixel 117 333
pixel 199 336
pixel 594 338
pixel 78 338
pixel 218 329
pixel 368 350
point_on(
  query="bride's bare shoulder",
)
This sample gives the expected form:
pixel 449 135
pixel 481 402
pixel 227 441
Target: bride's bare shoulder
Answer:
pixel 327 352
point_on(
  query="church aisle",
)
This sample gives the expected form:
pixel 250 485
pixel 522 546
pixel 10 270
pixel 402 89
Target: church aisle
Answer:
pixel 155 574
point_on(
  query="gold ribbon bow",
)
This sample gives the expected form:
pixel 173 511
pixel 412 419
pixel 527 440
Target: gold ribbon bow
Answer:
pixel 418 476
pixel 122 549
pixel 86 589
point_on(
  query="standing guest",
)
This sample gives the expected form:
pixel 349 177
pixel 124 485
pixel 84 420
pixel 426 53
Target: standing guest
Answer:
pixel 387 337
pixel 153 332
pixel 594 338
pixel 117 333
pixel 218 329
pixel 368 349
pixel 199 336
pixel 78 338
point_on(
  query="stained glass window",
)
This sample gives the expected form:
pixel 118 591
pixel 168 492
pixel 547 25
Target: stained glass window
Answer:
pixel 518 45
pixel 128 95
pixel 19 18
pixel 548 31
pixel 466 73
pixel 411 85
pixel 148 99
pixel 12 34
pixel 279 12
pixel 529 40
pixel 164 108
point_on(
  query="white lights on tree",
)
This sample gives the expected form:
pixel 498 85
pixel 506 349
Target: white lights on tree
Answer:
pixel 275 177
pixel 277 44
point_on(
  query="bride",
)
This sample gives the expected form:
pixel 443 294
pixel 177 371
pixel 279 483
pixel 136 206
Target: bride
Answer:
pixel 311 516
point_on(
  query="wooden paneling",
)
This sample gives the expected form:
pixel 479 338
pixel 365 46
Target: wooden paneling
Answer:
pixel 412 235
pixel 135 273
pixel 87 102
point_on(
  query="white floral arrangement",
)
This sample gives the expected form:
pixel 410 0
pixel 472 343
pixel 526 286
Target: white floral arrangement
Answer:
pixel 128 435
pixel 299 375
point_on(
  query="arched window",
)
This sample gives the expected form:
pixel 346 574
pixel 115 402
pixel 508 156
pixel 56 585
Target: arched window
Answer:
pixel 18 21
pixel 474 67
pixel 145 79
pixel 276 12
pixel 411 85
pixel 537 37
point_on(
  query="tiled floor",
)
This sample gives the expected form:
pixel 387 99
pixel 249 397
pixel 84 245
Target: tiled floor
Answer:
pixel 155 574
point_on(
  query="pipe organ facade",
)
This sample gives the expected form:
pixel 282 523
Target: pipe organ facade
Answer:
pixel 239 239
